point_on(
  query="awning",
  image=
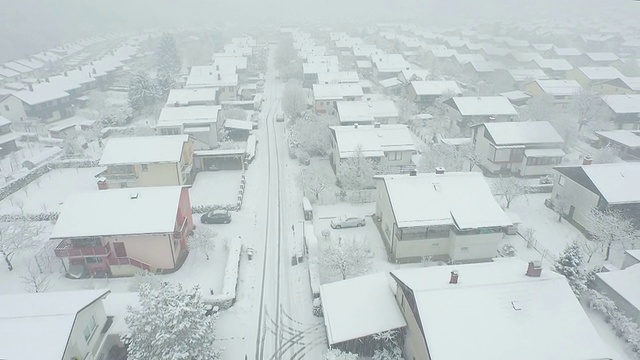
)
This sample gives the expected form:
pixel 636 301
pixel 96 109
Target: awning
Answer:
pixel 544 153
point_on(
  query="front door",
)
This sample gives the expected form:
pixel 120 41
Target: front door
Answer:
pixel 572 209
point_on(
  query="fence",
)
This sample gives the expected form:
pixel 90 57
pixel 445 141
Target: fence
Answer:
pixel 537 246
pixel 350 196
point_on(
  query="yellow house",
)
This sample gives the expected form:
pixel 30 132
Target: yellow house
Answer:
pixel 588 76
pixel 624 85
pixel 562 91
pixel 146 161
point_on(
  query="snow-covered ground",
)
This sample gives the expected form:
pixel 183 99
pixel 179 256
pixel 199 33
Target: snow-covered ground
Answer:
pixel 46 193
pixel 216 187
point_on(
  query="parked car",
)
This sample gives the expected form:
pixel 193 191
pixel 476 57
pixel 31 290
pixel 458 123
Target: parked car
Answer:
pixel 347 222
pixel 216 217
pixel 280 117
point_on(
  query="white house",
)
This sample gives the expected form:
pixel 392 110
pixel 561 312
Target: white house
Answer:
pixel 325 96
pixel 67 325
pixel 450 216
pixel 340 77
pixel 227 84
pixel 523 148
pixel 626 110
pixel 191 97
pixel 367 112
pixel 390 146
pixel 199 121
pixel 469 110
pixel 621 286
pixel 561 91
pixel 426 92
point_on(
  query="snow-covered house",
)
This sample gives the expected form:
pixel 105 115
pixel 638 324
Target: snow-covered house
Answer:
pixel 588 76
pixel 367 112
pixel 192 97
pixel 626 110
pixel 425 93
pixel 499 310
pixel 42 101
pixel 449 216
pixel 388 65
pixel 523 148
pixel 561 91
pixel 227 84
pixel 522 76
pixel 352 316
pixel 340 77
pixel 316 65
pixel 578 189
pixel 389 146
pixel 621 286
pixel 120 232
pixel 555 68
pixel 200 122
pixel 69 324
pixel 7 137
pixel 469 110
pixel 627 142
pixel 146 161
pixel 624 85
pixel 325 96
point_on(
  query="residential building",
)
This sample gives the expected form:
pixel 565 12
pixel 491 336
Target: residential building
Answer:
pixel 469 110
pixel 554 68
pixel 626 142
pixel 425 93
pixel 530 148
pixel 388 65
pixel 238 62
pixel 71 325
pixel 325 96
pixel 146 161
pixel 626 110
pixel 340 77
pixel 516 97
pixel 192 97
pixel 367 112
pixel 7 137
pixel 498 310
pixel 316 65
pixel 624 85
pixel 407 76
pixel 226 83
pixel 579 189
pixel 522 76
pixel 631 257
pixel 588 76
pixel 200 122
pixel 447 216
pixel 42 101
pixel 561 91
pixel 120 232
pixel 621 287
pixel 389 146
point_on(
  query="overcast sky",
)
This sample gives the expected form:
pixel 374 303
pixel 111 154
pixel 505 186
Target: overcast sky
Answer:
pixel 28 26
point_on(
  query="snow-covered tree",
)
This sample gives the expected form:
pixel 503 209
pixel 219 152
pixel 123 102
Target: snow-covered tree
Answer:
pixel 168 59
pixel 313 134
pixel 394 353
pixel 591 111
pixel 294 100
pixel 611 227
pixel 406 109
pixel 453 158
pixel 315 181
pixel 18 236
pixel 285 54
pixel 202 240
pixel 35 280
pixel 347 257
pixel 143 277
pixel 539 108
pixel 606 155
pixel 337 354
pixel 356 173
pixel 570 264
pixel 170 324
pixel 509 188
pixel 142 91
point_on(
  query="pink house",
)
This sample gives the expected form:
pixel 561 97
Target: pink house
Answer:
pixel 120 232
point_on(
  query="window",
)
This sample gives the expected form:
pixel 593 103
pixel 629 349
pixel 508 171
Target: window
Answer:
pixel 464 249
pixel 93 260
pixel 435 244
pixel 561 180
pixel 145 167
pixel 6 107
pixel 395 155
pixel 90 328
pixel 120 250
pixel 437 232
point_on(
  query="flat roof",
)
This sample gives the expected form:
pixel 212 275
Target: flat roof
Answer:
pixel 336 91
pixel 115 212
pixel 143 150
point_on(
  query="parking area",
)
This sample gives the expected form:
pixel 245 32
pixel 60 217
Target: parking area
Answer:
pixel 215 187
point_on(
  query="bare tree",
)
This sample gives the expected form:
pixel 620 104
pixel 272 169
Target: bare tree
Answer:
pixel 347 257
pixel 35 280
pixel 294 100
pixel 315 181
pixel 591 111
pixel 610 227
pixel 509 188
pixel 356 173
pixel 16 237
pixel 202 240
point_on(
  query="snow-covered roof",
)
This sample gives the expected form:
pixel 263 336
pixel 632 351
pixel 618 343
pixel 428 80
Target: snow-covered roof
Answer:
pixel 483 105
pixel 41 93
pixel 386 63
pixel 63 83
pixel 466 58
pixel 526 56
pixel 173 116
pixel 515 95
pixel 351 111
pixel 617 183
pixel 238 124
pixel 215 80
pixel 522 133
pixel 364 64
pixel 435 87
pixel 336 91
pixel 18 67
pixel 455 198
pixel 528 74
pixel 47 316
pixel 625 283
pixel 189 96
pixel 559 87
pixel 338 77
pixel 359 307
pixel 319 67
pixel 143 150
pixel 602 56
pixel 127 211
pixel 30 63
pixel 415 74
pixel 623 103
pixel 566 51
pixel 371 140
pixel 495 311
pixel 627 138
pixel 600 72
pixel 213 70
pixel 532 153
pixel 387 83
pixel 239 62
pixel 554 64
pixel 4 121
pixel 486 66
pixel 632 83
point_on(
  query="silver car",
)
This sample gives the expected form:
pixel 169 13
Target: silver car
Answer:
pixel 347 222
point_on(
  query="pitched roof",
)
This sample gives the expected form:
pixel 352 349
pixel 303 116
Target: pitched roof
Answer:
pixel 522 133
pixel 624 282
pixel 482 105
pixel 372 141
pixel 365 111
pixel 616 183
pixel 525 74
pixel 495 311
pixel 600 72
pixel 187 96
pixel 336 91
pixel 53 314
pixel 627 138
pixel 455 198
pixel 117 212
pixel 554 64
pixel 623 103
pixel 559 87
pixel 41 93
pixel 435 87
pixel 143 150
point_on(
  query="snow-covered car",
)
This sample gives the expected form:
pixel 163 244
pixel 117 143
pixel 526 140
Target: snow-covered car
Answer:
pixel 216 217
pixel 347 222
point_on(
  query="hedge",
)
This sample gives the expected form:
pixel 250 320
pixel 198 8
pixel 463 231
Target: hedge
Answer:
pixel 227 297
pixel 46 216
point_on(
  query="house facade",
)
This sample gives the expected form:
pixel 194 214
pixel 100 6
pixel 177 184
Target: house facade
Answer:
pixel 42 101
pixel 202 123
pixel 625 109
pixel 620 285
pixel 561 91
pixel 7 137
pixel 425 93
pixel 430 215
pixel 146 161
pixel 325 96
pixel 468 110
pixel 529 148
pixel 120 232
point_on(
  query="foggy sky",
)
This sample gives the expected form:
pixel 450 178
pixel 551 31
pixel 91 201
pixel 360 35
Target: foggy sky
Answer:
pixel 29 26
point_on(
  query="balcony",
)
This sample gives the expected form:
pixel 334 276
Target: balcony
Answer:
pixel 120 177
pixel 66 249
pixel 178 233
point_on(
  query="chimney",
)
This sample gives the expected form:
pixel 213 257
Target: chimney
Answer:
pixel 534 269
pixel 454 277
pixel 133 195
pixel 219 77
pixel 413 172
pixel 587 160
pixel 376 125
pixel 66 73
pixel 94 71
pixel 440 170
pixel 46 80
pixel 30 86
pixel 217 67
pixel 355 126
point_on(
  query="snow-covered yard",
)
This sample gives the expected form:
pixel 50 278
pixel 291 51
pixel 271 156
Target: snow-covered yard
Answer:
pixel 47 192
pixel 216 187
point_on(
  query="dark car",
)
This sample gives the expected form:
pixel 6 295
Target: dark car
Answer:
pixel 216 217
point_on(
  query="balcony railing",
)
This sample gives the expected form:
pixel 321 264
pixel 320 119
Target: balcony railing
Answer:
pixel 68 250
pixel 129 261
pixel 120 177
